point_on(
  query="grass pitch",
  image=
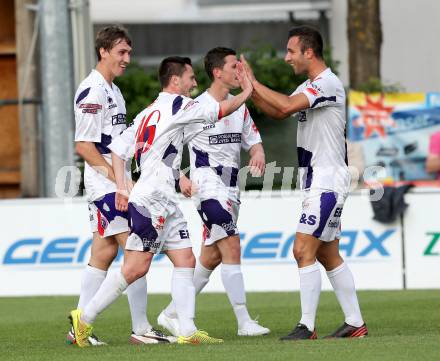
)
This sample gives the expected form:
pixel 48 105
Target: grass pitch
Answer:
pixel 403 325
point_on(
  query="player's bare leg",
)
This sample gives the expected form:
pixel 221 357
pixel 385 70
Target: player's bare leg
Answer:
pixel 342 281
pixel 304 251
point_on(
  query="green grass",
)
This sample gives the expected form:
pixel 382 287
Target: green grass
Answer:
pixel 403 325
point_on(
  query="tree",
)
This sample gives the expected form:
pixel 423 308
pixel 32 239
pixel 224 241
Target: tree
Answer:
pixel 364 40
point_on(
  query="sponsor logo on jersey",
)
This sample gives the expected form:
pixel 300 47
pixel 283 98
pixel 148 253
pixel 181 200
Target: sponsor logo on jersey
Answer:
pixel 160 222
pixel 118 119
pixel 90 108
pixel 111 106
pixel 225 138
pixel 209 126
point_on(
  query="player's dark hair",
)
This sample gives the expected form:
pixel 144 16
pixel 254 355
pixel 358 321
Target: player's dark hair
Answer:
pixel 108 37
pixel 309 38
pixel 215 58
pixel 173 65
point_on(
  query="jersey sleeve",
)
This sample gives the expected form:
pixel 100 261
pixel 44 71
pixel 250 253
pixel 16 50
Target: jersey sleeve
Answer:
pixel 191 111
pixel 321 92
pixel 250 135
pixel 124 144
pixel 191 130
pixel 89 115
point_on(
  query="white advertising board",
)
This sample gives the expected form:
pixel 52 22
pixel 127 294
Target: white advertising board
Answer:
pixel 45 245
pixel 422 240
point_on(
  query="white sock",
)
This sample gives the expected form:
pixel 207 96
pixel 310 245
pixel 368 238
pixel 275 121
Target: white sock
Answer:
pixel 310 289
pixel 137 300
pixel 112 287
pixel 201 278
pixel 91 280
pixel 342 281
pixel 184 297
pixel 232 279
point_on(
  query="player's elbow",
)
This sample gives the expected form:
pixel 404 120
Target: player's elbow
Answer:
pixel 81 148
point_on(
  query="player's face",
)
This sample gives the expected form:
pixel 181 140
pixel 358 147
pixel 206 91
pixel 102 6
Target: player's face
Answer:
pixel 228 74
pixel 117 59
pixel 187 82
pixel 295 57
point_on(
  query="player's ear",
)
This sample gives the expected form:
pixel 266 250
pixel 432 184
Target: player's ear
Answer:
pixel 174 80
pixel 216 72
pixel 103 53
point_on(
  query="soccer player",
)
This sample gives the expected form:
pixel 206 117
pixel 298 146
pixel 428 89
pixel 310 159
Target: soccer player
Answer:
pixel 215 161
pixel 100 116
pixel 156 222
pixel 324 179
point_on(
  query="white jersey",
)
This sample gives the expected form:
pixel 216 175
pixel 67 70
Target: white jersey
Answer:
pixel 218 145
pixel 156 140
pixel 99 116
pixel 321 146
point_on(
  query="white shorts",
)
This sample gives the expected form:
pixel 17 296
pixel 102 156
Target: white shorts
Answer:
pixel 217 205
pixel 321 214
pixel 156 225
pixel 105 218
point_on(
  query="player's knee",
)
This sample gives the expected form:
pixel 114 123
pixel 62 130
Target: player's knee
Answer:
pixel 302 255
pixel 132 273
pixel 212 260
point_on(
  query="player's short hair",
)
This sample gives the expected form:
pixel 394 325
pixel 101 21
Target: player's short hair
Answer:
pixel 215 58
pixel 108 37
pixel 309 38
pixel 173 65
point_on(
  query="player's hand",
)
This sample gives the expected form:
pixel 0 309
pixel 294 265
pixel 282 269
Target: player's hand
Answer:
pixel 187 187
pixel 247 68
pixel 257 164
pixel 121 200
pixel 243 79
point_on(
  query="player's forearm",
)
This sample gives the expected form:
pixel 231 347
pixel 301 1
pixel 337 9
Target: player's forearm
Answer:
pixel 231 105
pixel 119 171
pixel 88 151
pixel 287 105
pixel 266 108
pixel 433 164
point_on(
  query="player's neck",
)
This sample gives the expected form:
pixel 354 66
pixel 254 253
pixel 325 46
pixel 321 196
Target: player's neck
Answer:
pixel 218 91
pixel 106 73
pixel 316 69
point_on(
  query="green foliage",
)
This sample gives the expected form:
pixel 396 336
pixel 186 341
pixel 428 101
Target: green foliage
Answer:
pixel 139 88
pixel 375 85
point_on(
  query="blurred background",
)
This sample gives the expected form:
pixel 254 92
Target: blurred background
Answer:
pixel 388 46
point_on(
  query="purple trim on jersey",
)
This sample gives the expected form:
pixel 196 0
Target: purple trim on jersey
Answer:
pixel 323 99
pixel 212 212
pixel 328 202
pixel 177 104
pixel 304 161
pixel 106 206
pixel 103 145
pixel 202 158
pixel 139 221
pixel 228 175
pixel 170 155
pixel 82 95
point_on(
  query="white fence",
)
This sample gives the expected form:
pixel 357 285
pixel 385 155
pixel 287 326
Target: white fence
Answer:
pixel 45 244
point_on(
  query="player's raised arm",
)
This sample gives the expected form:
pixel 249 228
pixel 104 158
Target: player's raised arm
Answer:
pixel 274 104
